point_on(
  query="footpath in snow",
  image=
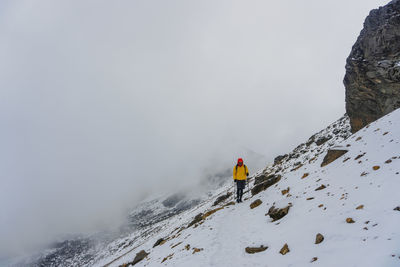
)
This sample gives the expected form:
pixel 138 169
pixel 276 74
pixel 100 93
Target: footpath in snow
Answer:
pixel 354 209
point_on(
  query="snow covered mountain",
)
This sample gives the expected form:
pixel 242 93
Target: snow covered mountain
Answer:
pixel 349 204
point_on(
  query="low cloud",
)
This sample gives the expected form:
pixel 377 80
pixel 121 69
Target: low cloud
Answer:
pixel 103 103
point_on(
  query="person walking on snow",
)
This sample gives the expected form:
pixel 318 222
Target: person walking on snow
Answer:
pixel 240 173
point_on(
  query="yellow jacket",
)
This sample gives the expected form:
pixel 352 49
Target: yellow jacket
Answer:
pixel 240 173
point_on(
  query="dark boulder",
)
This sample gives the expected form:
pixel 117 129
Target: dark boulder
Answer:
pixel 332 155
pixel 139 256
pixel 159 242
pixel 196 219
pixel 273 179
pixel 278 159
pixel 372 77
pixel 277 214
pixel 222 198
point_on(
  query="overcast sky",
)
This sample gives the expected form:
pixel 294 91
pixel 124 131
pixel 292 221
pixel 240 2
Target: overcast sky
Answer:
pixel 101 101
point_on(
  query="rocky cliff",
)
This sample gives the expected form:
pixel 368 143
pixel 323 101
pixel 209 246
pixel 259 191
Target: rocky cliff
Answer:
pixel 372 77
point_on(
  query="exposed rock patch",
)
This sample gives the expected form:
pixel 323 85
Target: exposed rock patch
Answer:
pixel 196 219
pixel 139 256
pixel 159 242
pixel 264 185
pixel 252 250
pixel 195 250
pixel 222 198
pixel 285 249
pixel 320 187
pixel 305 175
pixel 319 238
pixel 279 159
pixel 277 214
pixel 332 155
pixel 168 257
pixel 285 191
pixel 264 177
pixel 255 203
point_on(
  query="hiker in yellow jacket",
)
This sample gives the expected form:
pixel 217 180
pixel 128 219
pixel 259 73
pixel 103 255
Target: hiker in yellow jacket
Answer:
pixel 240 173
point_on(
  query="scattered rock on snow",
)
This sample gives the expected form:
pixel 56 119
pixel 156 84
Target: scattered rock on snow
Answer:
pixel 252 250
pixel 195 250
pixel 168 257
pixel 375 168
pixel 285 191
pixel 314 259
pixel 360 207
pixel 350 220
pixel 139 256
pixel 177 244
pixel 284 249
pixel 196 219
pixel 159 242
pixel 397 208
pixel 320 187
pixel 296 168
pixel 332 155
pixel 305 175
pixel 359 156
pixel 222 198
pixel 319 238
pixel 255 203
pixel 277 214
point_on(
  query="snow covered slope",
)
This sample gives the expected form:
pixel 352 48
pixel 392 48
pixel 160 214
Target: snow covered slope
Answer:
pixel 354 210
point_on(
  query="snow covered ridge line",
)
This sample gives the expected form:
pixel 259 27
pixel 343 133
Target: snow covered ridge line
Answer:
pixel 342 214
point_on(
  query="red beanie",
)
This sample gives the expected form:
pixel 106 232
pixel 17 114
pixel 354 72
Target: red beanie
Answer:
pixel 240 160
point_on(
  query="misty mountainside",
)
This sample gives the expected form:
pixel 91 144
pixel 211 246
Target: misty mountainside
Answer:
pixel 332 201
pixel 144 219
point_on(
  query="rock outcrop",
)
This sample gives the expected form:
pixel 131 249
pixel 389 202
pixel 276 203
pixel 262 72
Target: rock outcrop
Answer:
pixel 332 155
pixel 276 213
pixel 255 203
pixel 372 77
pixel 271 180
pixel 222 198
pixel 139 256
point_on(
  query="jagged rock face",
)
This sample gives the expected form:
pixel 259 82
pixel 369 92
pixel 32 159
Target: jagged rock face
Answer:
pixel 372 77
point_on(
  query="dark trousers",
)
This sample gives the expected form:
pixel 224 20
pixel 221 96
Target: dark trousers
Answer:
pixel 240 186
